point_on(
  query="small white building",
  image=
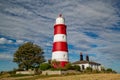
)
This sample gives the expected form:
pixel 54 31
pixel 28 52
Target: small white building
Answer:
pixel 86 63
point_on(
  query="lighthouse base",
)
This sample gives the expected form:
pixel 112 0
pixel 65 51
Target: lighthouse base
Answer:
pixel 59 64
pixel 63 63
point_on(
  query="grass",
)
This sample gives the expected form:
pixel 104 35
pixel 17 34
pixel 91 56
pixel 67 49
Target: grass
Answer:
pixel 76 77
pixel 41 77
pixel 86 77
pixel 100 76
pixel 20 75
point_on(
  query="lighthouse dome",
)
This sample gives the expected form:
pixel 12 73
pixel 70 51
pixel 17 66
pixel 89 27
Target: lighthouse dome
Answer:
pixel 60 20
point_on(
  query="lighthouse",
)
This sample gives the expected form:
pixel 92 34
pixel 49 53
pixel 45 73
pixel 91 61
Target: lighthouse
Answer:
pixel 60 48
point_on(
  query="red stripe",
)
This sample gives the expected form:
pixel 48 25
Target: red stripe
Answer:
pixel 60 46
pixel 63 63
pixel 59 29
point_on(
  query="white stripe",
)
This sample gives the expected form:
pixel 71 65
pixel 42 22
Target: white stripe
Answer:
pixel 60 20
pixel 60 56
pixel 60 37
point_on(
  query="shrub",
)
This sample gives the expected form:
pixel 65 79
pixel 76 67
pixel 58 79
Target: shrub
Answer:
pixel 55 64
pixel 88 69
pixel 103 69
pixel 45 66
pixel 109 70
pixel 77 68
pixel 68 66
pixel 95 71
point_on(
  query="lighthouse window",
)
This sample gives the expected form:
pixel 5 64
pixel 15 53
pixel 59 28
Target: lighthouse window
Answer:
pixel 63 37
pixel 64 56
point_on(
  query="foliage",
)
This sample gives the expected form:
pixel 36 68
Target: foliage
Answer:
pixel 88 69
pixel 55 64
pixel 77 68
pixel 68 66
pixel 109 70
pixel 103 69
pixel 96 71
pixel 28 56
pixel 45 66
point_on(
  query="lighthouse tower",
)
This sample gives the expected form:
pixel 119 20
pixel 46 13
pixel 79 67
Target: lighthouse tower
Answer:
pixel 60 49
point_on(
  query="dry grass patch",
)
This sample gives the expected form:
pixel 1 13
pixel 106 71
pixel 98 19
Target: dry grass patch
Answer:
pixel 86 77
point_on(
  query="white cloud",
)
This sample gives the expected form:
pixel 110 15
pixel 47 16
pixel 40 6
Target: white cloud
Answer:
pixel 5 41
pixel 8 41
pixel 19 41
pixel 5 56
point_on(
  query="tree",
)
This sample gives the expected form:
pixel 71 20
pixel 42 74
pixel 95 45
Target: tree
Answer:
pixel 28 56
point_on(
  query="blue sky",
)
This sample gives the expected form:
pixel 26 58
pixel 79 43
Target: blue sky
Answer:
pixel 93 27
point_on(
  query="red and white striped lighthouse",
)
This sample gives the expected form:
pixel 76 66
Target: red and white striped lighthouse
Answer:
pixel 60 48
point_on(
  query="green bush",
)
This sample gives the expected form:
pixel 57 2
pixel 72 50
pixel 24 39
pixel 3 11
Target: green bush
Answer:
pixel 109 70
pixel 95 71
pixel 45 66
pixel 68 66
pixel 77 68
pixel 103 70
pixel 88 70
